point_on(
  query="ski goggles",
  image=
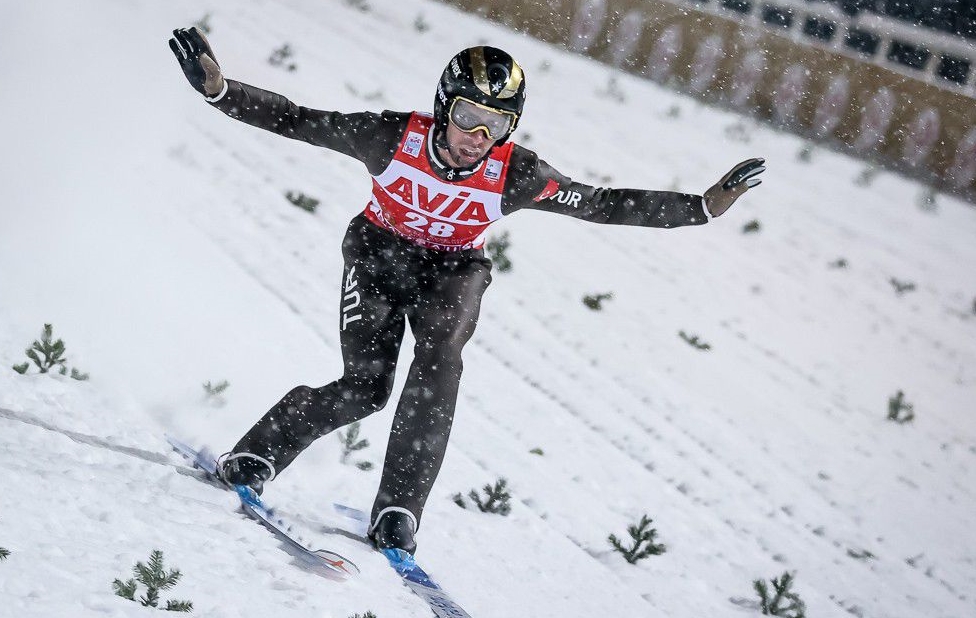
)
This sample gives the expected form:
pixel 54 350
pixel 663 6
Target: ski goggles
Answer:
pixel 469 117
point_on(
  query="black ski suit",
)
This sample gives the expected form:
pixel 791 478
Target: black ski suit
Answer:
pixel 390 280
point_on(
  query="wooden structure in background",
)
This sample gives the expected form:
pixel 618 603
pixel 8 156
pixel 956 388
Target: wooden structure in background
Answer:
pixel 890 93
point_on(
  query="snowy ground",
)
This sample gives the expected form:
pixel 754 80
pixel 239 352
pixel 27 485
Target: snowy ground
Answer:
pixel 153 233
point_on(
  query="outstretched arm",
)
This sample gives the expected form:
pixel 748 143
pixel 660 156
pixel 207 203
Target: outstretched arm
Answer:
pixel 369 137
pixel 533 183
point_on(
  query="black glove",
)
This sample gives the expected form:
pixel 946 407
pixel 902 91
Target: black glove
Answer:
pixel 740 179
pixel 197 60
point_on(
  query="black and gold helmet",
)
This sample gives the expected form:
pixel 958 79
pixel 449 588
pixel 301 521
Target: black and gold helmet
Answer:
pixel 485 75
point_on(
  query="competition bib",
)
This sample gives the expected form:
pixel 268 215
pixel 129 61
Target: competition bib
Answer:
pixel 411 201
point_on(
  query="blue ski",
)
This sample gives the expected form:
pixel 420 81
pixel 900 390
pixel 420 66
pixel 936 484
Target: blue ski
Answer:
pixel 414 577
pixel 325 562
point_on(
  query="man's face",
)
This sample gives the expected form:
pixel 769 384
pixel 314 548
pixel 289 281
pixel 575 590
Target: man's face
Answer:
pixel 465 149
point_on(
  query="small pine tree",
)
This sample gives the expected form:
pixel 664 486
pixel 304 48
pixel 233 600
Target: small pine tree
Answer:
pixel 599 177
pixel 281 56
pixel 179 606
pixel 4 553
pixel 901 286
pixel 613 91
pixel 213 393
pixel 48 354
pixel 351 443
pixel 694 341
pixel 595 301
pixel 752 227
pixel 420 24
pixel 305 202
pixel 496 499
pixel 899 410
pixel 376 95
pixel 212 390
pixel 155 578
pixel 784 602
pixel 643 541
pixel 368 614
pixel 839 263
pixel 860 554
pixel 496 248
pixel 867 176
pixel 125 589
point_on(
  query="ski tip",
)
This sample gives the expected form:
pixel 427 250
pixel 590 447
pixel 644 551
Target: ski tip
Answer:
pixel 336 562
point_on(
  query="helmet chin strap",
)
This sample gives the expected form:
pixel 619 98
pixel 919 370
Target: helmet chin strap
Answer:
pixel 440 137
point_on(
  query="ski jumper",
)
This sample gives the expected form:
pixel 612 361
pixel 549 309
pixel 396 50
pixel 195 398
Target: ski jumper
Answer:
pixel 415 255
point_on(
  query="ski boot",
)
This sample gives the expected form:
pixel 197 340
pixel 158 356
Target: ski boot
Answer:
pixel 394 529
pixel 245 469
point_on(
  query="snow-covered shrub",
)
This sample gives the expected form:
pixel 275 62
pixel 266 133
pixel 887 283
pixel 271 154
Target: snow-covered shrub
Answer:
pixel 213 393
pixel 496 498
pixel 351 443
pixel 496 248
pixel 642 538
pixel 613 91
pixel 867 176
pixel 48 354
pixel 783 601
pixel 860 554
pixel 281 58
pixel 595 301
pixel 212 390
pixel 694 341
pixel 752 227
pixel 376 95
pixel 305 202
pixel 899 410
pixel 155 578
pixel 901 286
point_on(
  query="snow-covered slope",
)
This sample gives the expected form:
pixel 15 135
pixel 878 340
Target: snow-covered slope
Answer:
pixel 153 232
